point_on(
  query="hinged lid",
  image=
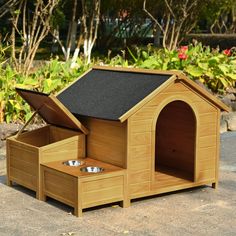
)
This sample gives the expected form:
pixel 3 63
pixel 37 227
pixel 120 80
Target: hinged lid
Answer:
pixel 51 109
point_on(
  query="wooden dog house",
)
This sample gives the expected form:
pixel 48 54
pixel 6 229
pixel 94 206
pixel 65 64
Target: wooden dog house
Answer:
pixel 160 126
pixel 150 131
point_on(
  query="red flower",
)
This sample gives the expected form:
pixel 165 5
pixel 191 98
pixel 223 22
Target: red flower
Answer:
pixel 182 56
pixel 227 52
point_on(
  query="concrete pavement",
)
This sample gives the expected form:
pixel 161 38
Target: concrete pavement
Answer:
pixel 199 211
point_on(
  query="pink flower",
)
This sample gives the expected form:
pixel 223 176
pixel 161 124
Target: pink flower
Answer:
pixel 227 52
pixel 182 56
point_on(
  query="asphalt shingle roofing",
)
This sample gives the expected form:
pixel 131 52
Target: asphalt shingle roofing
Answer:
pixel 107 94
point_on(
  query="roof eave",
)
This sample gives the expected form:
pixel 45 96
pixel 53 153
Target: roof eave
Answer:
pixel 181 76
pixel 204 93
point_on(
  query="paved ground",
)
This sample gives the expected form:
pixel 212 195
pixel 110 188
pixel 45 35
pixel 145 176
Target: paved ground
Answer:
pixel 199 211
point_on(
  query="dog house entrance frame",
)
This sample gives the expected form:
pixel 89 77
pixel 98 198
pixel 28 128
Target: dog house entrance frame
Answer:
pixel 175 126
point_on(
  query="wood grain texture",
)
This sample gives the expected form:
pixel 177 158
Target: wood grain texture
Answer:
pixel 23 178
pixel 139 176
pixel 111 191
pixel 60 185
pixel 51 109
pixel 217 157
pixel 139 188
pixel 193 134
pixel 27 151
pixel 106 141
pixel 82 190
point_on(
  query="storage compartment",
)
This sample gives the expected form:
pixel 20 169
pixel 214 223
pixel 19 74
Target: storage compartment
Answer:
pixel 46 135
pixel 46 144
pixel 26 151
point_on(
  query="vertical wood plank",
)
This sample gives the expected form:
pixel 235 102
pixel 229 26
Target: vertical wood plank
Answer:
pixel 9 182
pixel 42 196
pixel 126 200
pixel 215 185
pixel 38 174
pixel 78 198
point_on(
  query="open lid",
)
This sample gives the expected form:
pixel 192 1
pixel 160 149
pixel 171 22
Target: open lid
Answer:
pixel 51 109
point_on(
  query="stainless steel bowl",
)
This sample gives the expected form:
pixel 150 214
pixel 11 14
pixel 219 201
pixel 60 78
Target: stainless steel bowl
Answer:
pixel 92 169
pixel 73 163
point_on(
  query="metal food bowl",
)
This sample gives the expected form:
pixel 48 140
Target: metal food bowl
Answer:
pixel 92 169
pixel 73 163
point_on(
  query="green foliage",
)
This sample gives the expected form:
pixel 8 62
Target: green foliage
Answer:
pixel 213 9
pixel 48 79
pixel 118 60
pixel 215 69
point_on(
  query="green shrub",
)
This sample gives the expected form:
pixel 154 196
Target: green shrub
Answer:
pixel 217 70
pixel 50 78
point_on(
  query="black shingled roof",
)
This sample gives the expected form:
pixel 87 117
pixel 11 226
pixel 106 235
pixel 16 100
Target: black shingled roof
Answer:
pixel 108 94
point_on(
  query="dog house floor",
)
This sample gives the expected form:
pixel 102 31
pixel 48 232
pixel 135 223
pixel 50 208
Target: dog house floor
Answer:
pixel 165 176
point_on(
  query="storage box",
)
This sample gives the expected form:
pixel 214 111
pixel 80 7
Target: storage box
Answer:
pixel 26 151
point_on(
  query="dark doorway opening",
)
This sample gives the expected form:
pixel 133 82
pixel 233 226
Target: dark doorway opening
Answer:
pixel 175 144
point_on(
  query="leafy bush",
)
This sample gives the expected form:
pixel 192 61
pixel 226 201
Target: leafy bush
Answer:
pixel 217 70
pixel 50 78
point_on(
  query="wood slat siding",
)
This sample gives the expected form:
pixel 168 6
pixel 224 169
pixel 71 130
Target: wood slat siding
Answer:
pixel 27 167
pixel 38 137
pixel 106 141
pixel 23 170
pixel 139 188
pixel 26 152
pixel 97 185
pixel 75 148
pixel 23 178
pixel 140 152
pixel 139 136
pixel 139 176
pixel 141 164
pixel 58 134
pixel 138 139
pixel 141 126
pixel 60 186
pixel 102 190
pixel 207 155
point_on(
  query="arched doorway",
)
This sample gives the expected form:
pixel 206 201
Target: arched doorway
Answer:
pixel 175 143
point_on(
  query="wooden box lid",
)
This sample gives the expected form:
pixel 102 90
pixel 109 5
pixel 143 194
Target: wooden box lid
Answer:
pixel 51 109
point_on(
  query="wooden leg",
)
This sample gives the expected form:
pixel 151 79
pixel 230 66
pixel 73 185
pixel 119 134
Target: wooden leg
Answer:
pixel 41 196
pixel 40 193
pixel 78 211
pixel 215 185
pixel 9 182
pixel 78 203
pixel 125 203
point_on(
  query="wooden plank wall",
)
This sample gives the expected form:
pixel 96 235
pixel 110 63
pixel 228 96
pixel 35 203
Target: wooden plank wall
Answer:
pixel 38 137
pixel 106 141
pixel 140 139
pixel 23 170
